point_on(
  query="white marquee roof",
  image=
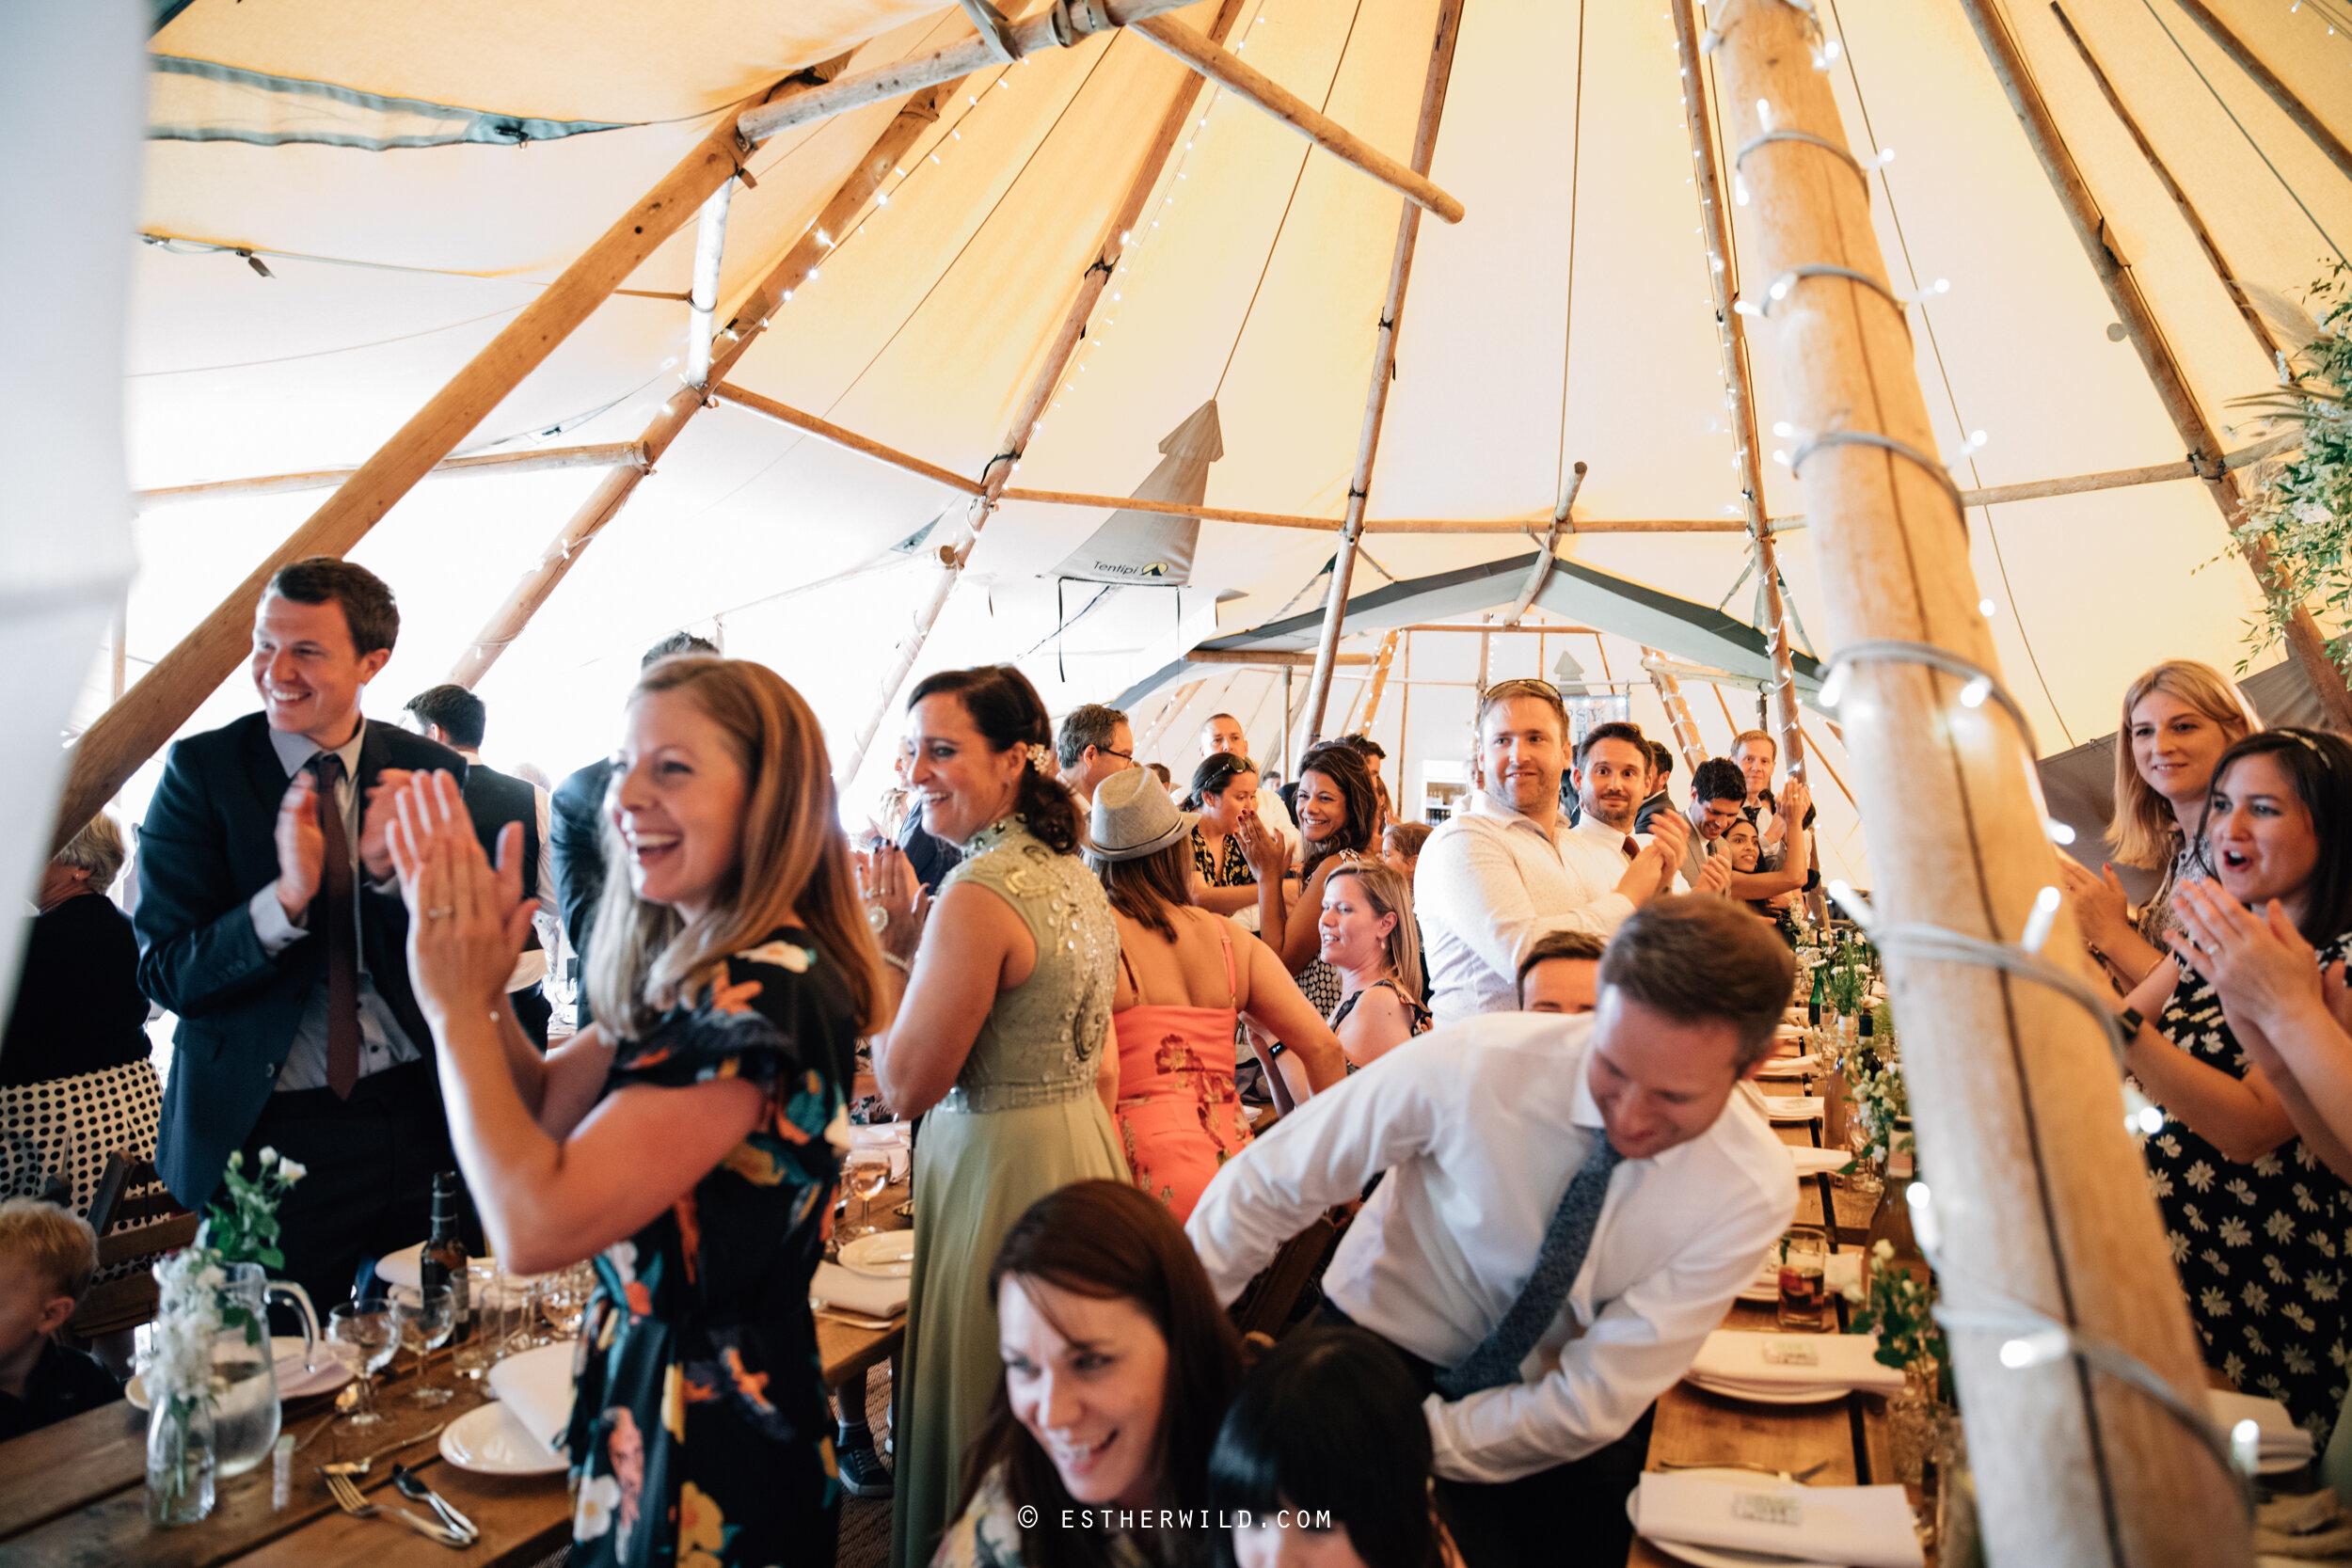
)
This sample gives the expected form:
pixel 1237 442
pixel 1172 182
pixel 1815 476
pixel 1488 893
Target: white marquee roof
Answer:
pixel 1566 318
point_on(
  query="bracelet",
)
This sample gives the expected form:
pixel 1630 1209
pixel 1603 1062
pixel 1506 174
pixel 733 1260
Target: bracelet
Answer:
pixel 2130 1022
pixel 899 963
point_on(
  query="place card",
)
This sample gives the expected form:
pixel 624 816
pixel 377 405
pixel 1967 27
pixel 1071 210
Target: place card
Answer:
pixel 1796 1352
pixel 1769 1508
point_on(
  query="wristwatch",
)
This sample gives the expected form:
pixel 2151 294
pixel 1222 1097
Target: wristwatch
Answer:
pixel 2129 1022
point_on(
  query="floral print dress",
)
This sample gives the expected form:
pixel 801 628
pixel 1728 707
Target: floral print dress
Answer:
pixel 2259 1246
pixel 700 1432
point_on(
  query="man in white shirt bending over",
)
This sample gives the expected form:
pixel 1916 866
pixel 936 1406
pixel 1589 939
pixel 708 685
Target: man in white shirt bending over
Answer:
pixel 1570 1205
pixel 1499 876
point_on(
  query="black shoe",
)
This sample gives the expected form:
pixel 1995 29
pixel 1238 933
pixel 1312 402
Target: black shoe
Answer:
pixel 863 1474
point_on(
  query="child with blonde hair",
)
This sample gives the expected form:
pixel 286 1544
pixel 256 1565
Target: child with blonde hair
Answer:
pixel 47 1255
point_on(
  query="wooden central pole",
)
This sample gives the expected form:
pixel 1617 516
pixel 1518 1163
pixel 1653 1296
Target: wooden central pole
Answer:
pixel 1383 368
pixel 1731 339
pixel 1022 426
pixel 128 733
pixel 726 349
pixel 2041 1197
pixel 2303 635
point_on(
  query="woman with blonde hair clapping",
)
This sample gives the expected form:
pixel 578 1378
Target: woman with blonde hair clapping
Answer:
pixel 681 1140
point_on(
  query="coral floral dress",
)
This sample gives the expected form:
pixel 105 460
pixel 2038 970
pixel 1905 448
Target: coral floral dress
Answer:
pixel 1178 1114
pixel 699 1434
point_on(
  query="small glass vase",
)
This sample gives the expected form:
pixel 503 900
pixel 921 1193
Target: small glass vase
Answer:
pixel 179 1460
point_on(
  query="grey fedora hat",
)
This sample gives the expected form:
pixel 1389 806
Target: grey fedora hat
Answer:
pixel 1135 816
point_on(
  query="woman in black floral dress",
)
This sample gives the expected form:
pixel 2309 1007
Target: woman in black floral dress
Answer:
pixel 2257 1223
pixel 686 1141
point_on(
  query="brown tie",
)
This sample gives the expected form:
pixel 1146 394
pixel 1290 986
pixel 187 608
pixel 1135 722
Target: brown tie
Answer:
pixel 1631 849
pixel 337 918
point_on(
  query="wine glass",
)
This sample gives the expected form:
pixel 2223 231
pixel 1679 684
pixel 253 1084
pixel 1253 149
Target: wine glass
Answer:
pixel 864 1173
pixel 365 1326
pixel 426 1317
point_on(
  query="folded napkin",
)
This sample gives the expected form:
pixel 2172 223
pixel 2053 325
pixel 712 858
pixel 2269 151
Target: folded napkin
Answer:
pixel 1792 1067
pixel 1794 1107
pixel 1817 1161
pixel 537 1387
pixel 837 1287
pixel 2281 1437
pixel 1734 1360
pixel 1866 1527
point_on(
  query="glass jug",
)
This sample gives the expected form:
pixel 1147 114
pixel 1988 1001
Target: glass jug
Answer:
pixel 245 1376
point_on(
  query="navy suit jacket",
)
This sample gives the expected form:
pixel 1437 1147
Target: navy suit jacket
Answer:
pixel 210 844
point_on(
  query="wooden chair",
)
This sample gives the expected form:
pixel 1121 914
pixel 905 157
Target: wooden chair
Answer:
pixel 1265 1304
pixel 137 1220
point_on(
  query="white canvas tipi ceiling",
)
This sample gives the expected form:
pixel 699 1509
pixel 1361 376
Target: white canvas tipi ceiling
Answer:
pixel 1566 316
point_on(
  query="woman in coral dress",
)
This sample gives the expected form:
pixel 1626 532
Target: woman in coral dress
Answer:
pixel 1185 975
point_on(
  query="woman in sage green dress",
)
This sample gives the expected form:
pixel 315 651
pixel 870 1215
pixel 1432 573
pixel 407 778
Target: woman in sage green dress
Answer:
pixel 999 1044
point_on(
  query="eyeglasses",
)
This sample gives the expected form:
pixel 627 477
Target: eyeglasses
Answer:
pixel 1106 751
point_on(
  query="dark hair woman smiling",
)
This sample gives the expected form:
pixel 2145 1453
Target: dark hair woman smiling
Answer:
pixel 1116 1363
pixel 2254 1217
pixel 999 1044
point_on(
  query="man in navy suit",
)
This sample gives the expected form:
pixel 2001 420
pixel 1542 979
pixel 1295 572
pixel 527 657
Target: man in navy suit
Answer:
pixel 269 919
pixel 458 720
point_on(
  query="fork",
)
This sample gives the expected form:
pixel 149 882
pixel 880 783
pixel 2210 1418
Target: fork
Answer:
pixel 1804 1475
pixel 353 1501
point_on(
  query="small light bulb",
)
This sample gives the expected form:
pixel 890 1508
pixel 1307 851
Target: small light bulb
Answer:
pixel 1974 692
pixel 1784 429
pixel 881 199
pixel 1977 437
pixel 1985 608
pixel 812 275
pixel 2060 833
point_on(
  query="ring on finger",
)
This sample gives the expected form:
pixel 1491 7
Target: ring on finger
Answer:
pixel 443 912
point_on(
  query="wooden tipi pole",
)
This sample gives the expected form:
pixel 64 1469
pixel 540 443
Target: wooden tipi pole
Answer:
pixel 2280 94
pixel 128 733
pixel 1740 401
pixel 1678 718
pixel 1379 682
pixel 1067 26
pixel 2039 1197
pixel 2264 338
pixel 1383 368
pixel 604 503
pixel 601 456
pixel 953 557
pixel 2303 635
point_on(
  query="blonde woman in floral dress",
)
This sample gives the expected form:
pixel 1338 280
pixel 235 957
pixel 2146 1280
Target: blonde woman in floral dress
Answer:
pixel 682 1140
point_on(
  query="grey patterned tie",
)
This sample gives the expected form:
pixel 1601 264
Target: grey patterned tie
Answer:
pixel 1495 1360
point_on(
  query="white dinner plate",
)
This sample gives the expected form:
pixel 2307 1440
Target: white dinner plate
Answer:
pixel 489 1441
pixel 293 1380
pixel 1717 1556
pixel 1794 1394
pixel 884 1255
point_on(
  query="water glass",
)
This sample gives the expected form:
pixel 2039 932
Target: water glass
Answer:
pixel 865 1174
pixel 364 1328
pixel 1804 1280
pixel 490 1292
pixel 426 1318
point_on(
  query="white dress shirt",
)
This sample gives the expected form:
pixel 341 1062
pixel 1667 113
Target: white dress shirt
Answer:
pixel 1480 1128
pixel 382 1042
pixel 1490 883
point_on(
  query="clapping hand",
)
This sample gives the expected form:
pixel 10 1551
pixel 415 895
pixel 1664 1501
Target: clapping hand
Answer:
pixel 301 846
pixel 376 854
pixel 467 919
pixel 2259 964
pixel 2101 906
pixel 1267 852
pixel 1716 876
pixel 887 881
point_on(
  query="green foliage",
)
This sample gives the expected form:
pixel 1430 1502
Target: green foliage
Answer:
pixel 241 1226
pixel 1902 1308
pixel 2303 503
